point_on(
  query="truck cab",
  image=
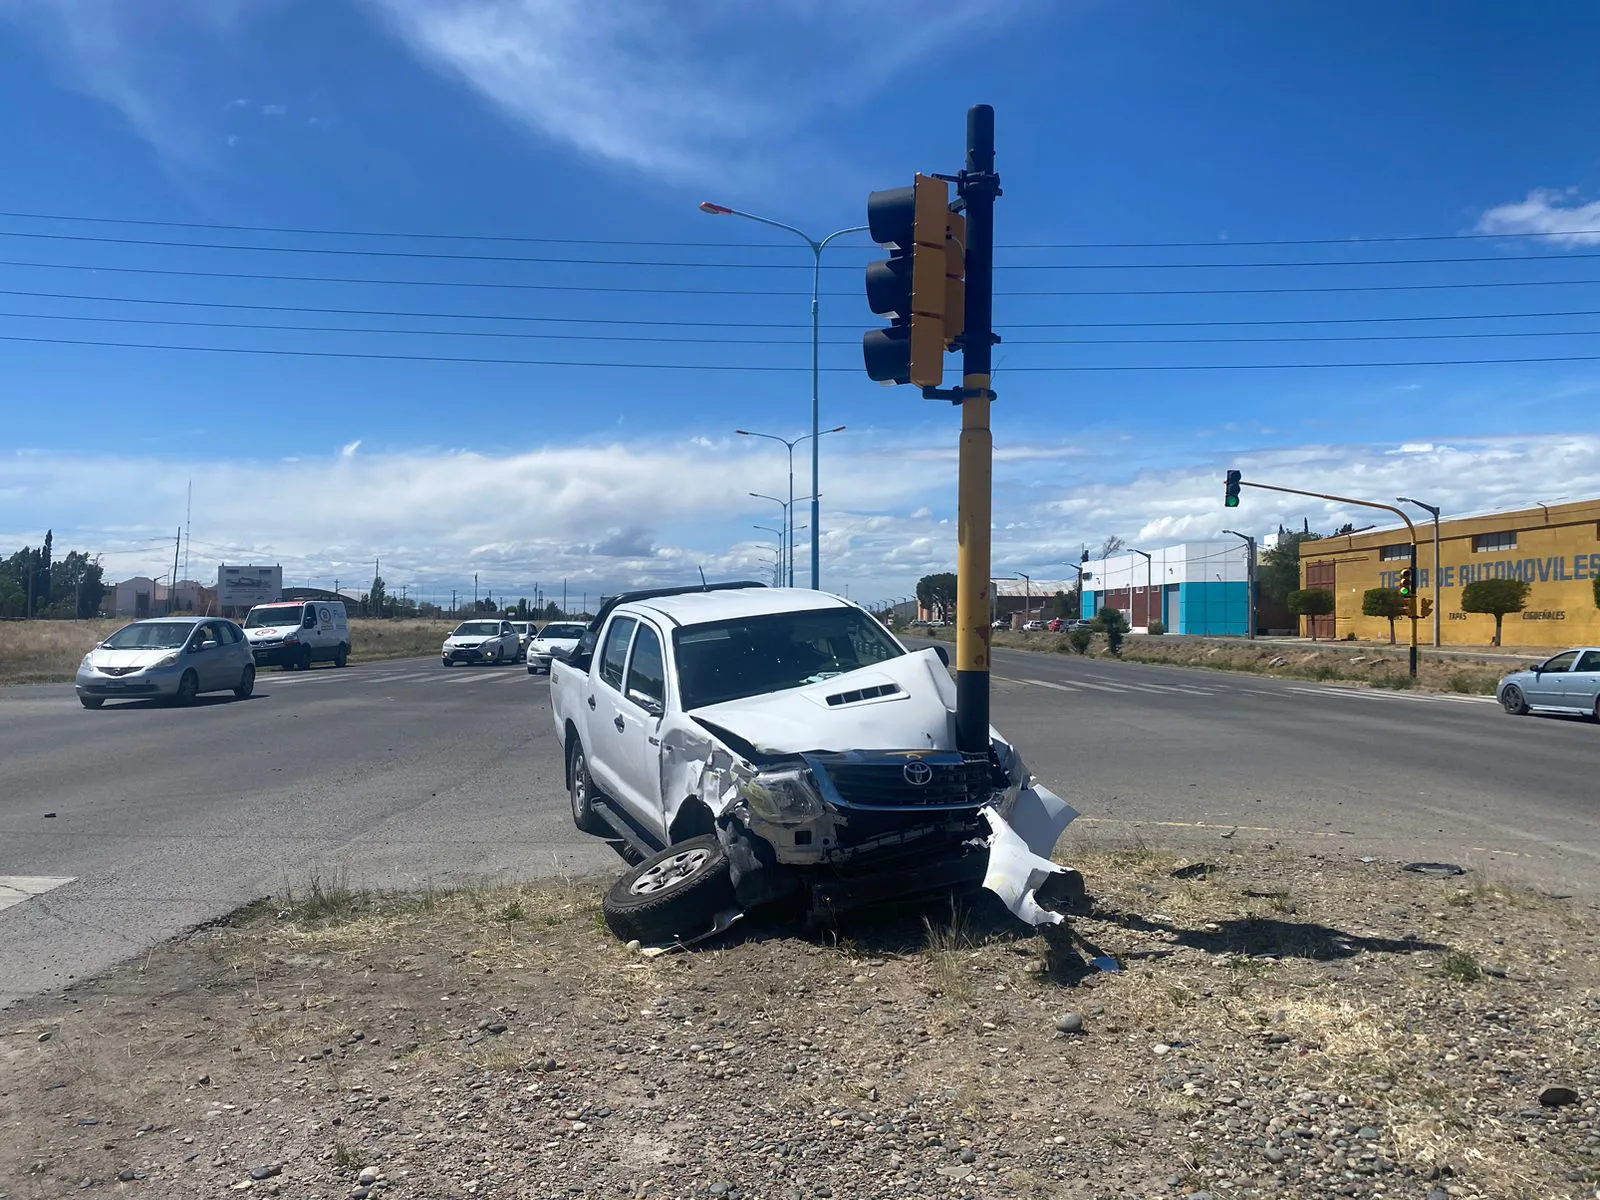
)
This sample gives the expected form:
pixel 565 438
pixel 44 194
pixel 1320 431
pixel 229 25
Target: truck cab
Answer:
pixel 294 634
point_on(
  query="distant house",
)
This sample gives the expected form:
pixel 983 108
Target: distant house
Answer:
pixel 139 597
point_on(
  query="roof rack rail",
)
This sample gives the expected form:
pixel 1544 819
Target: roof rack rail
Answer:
pixel 656 593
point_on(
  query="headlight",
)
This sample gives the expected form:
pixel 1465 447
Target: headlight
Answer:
pixel 168 660
pixel 290 637
pixel 788 795
pixel 86 658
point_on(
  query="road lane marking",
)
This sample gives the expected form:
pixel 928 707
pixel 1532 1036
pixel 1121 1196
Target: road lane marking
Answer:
pixel 14 889
pixel 1045 683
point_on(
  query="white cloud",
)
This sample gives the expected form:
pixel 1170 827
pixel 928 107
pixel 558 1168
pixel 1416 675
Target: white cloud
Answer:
pixel 274 110
pixel 1560 214
pixel 349 451
pixel 628 514
pixel 684 90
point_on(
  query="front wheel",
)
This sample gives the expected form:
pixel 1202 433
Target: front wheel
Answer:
pixel 247 683
pixel 672 895
pixel 1513 701
pixel 305 658
pixel 188 689
pixel 91 701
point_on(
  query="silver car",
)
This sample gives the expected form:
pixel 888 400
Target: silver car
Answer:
pixel 169 658
pixel 1569 682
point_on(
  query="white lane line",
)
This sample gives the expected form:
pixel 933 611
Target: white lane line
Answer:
pixel 14 889
pixel 1045 683
pixel 1102 687
pixel 461 679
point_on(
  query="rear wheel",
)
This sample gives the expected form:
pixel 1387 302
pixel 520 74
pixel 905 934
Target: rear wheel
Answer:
pixel 341 657
pixel 581 792
pixel 1597 708
pixel 188 689
pixel 672 895
pixel 1513 701
pixel 91 701
pixel 247 683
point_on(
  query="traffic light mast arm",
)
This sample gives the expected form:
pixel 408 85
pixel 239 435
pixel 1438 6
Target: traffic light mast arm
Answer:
pixel 1272 487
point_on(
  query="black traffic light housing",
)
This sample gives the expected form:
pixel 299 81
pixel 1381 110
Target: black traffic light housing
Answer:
pixel 1230 494
pixel 919 286
pixel 1407 582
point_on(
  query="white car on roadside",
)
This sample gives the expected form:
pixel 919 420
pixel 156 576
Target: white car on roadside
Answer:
pixel 488 641
pixel 557 639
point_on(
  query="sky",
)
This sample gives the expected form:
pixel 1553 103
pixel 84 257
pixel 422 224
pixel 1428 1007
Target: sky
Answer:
pixel 426 281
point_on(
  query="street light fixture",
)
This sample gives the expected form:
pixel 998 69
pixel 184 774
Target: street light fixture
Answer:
pixel 817 247
pixel 1249 577
pixel 1433 511
pixel 789 444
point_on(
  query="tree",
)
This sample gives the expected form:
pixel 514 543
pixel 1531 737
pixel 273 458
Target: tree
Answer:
pixel 377 597
pixel 1110 546
pixel 1384 602
pixel 1278 572
pixel 40 595
pixel 1063 606
pixel 552 612
pixel 1496 596
pixel 1114 625
pixel 1311 602
pixel 937 594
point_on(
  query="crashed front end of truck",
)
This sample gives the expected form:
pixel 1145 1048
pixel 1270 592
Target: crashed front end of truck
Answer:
pixel 851 791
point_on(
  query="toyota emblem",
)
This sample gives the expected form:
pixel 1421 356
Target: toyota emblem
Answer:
pixel 917 773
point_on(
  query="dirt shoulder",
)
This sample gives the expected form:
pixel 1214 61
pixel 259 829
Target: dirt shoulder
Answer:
pixel 1286 1025
pixel 49 651
pixel 1338 662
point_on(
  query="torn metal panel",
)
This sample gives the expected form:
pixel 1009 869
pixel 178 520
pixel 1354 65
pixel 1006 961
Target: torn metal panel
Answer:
pixel 1020 870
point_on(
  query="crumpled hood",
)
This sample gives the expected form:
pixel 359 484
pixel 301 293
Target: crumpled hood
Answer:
pixel 129 660
pixel 919 716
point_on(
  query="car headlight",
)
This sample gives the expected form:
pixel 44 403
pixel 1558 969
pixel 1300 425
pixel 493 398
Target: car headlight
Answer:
pixel 289 638
pixel 86 658
pixel 167 660
pixel 787 795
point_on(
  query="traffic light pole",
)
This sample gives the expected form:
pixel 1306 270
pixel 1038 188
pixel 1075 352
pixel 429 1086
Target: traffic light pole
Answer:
pixel 978 186
pixel 1270 487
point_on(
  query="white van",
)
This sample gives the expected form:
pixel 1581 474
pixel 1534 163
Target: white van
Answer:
pixel 297 633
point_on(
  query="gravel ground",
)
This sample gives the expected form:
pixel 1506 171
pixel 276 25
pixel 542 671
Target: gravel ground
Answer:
pixel 1276 1026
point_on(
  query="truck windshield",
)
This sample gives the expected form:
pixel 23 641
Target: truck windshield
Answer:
pixel 731 660
pixel 282 614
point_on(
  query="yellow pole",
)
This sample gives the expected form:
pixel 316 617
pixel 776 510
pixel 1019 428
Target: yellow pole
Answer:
pixel 972 566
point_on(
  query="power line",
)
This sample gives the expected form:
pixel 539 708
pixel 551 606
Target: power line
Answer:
pixel 696 291
pixel 796 325
pixel 431 255
pixel 549 241
pixel 765 369
pixel 795 341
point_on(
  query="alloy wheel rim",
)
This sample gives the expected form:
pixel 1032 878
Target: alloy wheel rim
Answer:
pixel 670 872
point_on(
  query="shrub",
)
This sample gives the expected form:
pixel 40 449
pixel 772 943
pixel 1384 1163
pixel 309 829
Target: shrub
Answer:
pixel 1114 625
pixel 1080 640
pixel 1156 627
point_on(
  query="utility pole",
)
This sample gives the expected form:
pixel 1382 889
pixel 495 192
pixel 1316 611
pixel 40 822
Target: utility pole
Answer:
pixel 978 186
pixel 1434 511
pixel 1250 578
pixel 452 602
pixel 563 598
pixel 474 591
pixel 172 592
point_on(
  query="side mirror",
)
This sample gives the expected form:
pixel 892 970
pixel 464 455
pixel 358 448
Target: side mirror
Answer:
pixel 1536 668
pixel 206 645
pixel 944 655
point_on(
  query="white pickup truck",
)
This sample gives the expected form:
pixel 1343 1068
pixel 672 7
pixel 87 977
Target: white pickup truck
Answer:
pixel 746 744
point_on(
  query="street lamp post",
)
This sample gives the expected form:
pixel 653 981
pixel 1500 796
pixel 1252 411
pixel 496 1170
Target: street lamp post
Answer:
pixel 1249 577
pixel 720 210
pixel 779 533
pixel 789 444
pixel 1146 558
pixel 1432 510
pixel 1027 598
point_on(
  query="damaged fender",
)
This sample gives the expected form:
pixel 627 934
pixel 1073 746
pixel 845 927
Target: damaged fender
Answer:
pixel 1024 830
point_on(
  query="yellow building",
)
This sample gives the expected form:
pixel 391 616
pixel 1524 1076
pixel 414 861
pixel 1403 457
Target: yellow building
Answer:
pixel 1555 548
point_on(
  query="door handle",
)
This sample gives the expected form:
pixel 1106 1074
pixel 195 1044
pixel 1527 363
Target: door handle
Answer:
pixel 655 741
pixel 591 702
pixel 619 723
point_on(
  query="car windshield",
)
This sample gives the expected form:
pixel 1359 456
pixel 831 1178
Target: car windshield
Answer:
pixel 565 633
pixel 730 660
pixel 282 614
pixel 150 635
pixel 478 629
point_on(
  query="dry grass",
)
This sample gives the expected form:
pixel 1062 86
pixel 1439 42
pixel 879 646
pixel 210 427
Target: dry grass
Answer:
pixel 49 651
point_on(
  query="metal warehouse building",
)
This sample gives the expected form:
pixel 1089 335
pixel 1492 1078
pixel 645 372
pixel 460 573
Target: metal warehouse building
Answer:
pixel 1555 548
pixel 1198 588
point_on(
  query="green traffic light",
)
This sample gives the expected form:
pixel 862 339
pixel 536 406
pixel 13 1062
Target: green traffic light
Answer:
pixel 1231 502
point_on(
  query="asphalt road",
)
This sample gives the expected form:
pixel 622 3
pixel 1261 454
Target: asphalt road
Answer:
pixel 408 774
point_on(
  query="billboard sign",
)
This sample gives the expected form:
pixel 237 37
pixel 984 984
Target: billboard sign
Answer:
pixel 244 587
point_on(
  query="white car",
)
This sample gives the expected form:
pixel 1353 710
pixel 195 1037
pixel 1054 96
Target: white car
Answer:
pixel 750 744
pixel 525 632
pixel 481 641
pixel 559 638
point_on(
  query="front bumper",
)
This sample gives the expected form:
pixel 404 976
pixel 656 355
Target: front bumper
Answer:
pixel 161 682
pixel 281 654
pixel 538 661
pixel 465 654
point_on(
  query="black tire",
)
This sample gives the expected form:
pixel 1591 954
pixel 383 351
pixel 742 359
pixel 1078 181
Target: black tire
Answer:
pixel 1513 701
pixel 1597 708
pixel 305 658
pixel 188 690
pixel 673 895
pixel 247 683
pixel 91 701
pixel 449 662
pixel 581 791
pixel 341 657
